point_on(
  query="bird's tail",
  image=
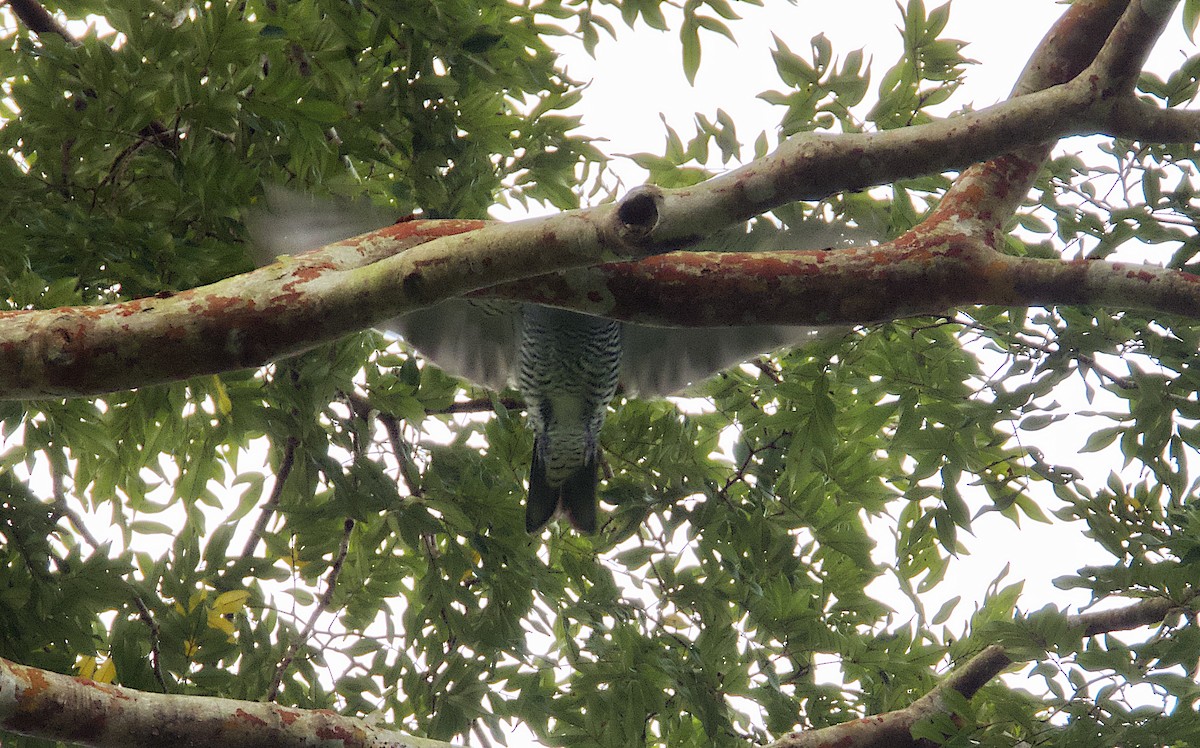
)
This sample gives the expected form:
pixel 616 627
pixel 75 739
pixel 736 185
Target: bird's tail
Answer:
pixel 575 497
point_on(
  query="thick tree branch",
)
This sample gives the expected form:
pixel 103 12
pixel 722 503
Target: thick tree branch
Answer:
pixel 949 261
pixel 83 712
pixel 909 277
pixel 1118 65
pixel 1141 120
pixel 894 729
pixel 293 305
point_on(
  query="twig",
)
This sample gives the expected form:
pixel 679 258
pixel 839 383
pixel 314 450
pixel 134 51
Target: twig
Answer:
pixel 148 619
pixel 764 366
pixel 477 405
pixel 323 604
pixel 272 503
pixel 403 452
pixel 409 473
pixel 62 509
pixel 1084 360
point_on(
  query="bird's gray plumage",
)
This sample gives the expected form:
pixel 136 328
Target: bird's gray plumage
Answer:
pixel 567 365
pixel 568 370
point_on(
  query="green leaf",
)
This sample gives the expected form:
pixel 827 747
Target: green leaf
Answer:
pixel 946 610
pixel 1102 438
pixel 1191 15
pixel 689 37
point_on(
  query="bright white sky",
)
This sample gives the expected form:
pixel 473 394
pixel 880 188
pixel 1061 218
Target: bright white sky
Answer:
pixel 639 76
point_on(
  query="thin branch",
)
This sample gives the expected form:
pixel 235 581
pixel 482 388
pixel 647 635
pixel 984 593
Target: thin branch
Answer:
pixel 272 503
pixel 38 20
pixel 1147 612
pixel 403 452
pixel 147 618
pixel 322 605
pixel 62 509
pixel 478 405
pixel 1085 361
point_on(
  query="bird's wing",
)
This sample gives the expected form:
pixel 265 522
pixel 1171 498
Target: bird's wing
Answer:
pixel 474 340
pixel 291 222
pixel 663 360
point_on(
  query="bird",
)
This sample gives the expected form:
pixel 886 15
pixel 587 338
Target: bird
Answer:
pixel 567 365
pixel 568 371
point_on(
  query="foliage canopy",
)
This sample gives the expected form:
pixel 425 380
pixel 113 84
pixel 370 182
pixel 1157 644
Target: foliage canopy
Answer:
pixel 379 562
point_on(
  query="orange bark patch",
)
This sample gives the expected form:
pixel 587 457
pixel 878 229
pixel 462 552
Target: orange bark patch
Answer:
pixel 36 680
pixel 245 716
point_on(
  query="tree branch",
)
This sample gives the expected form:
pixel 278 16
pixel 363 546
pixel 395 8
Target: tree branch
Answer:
pixel 298 303
pixel 58 707
pixel 147 618
pixel 916 275
pixel 323 603
pixel 268 509
pixel 894 729
pixel 1117 66
pixel 478 405
pixel 949 261
pixel 83 712
pixel 39 20
pixel 1141 120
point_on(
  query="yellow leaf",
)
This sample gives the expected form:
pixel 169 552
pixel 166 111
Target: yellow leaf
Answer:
pixel 196 599
pixel 469 574
pixel 221 396
pixel 222 610
pixel 190 648
pixel 86 666
pixel 106 673
pixel 230 602
pixel 221 623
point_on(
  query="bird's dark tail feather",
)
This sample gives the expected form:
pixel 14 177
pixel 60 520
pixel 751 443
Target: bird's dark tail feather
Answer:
pixel 576 496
